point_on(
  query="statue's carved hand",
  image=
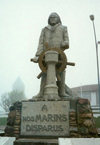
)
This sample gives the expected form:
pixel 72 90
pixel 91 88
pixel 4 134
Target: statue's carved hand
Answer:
pixel 64 45
pixel 35 59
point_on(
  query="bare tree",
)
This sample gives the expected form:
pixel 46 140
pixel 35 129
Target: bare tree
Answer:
pixel 17 94
pixel 8 99
pixel 5 101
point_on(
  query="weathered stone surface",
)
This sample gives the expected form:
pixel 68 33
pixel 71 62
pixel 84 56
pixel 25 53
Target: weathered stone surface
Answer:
pixel 83 101
pixel 46 118
pixel 74 129
pixel 17 122
pixel 93 130
pixel 88 123
pixel 7 140
pixel 54 36
pixel 36 141
pixel 83 130
pixel 81 122
pixel 9 130
pixel 11 117
pixel 79 141
pixel 87 115
pixel 51 89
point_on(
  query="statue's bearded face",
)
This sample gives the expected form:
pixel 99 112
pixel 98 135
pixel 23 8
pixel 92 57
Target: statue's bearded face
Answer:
pixel 53 20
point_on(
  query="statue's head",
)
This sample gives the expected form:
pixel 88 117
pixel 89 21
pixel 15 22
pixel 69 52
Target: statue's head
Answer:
pixel 54 19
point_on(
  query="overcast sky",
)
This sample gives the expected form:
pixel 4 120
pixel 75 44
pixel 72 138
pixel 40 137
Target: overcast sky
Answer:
pixel 21 22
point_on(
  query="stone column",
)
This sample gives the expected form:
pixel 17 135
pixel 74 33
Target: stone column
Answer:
pixel 51 89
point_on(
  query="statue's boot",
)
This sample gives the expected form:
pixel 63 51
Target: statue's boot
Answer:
pixel 61 86
pixel 42 85
pixel 68 91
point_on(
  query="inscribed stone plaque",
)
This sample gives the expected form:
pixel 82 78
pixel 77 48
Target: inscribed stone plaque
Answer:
pixel 45 118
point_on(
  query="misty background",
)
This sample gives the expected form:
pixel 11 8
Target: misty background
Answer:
pixel 21 22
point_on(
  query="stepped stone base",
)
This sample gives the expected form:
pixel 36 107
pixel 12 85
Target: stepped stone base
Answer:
pixel 78 141
pixel 80 123
pixel 36 142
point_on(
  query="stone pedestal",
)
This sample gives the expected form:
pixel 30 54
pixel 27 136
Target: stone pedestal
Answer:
pixel 51 119
pixel 51 89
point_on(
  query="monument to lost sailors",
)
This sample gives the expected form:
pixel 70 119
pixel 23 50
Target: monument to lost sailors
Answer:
pixel 53 112
pixel 50 117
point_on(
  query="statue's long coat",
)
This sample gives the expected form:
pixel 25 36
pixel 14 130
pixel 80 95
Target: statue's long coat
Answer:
pixel 54 36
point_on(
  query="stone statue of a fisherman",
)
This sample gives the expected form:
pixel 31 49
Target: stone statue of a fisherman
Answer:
pixel 56 36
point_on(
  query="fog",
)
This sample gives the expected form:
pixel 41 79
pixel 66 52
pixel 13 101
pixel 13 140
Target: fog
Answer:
pixel 21 22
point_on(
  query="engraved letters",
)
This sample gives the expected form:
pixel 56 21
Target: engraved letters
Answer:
pixel 39 128
pixel 46 118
